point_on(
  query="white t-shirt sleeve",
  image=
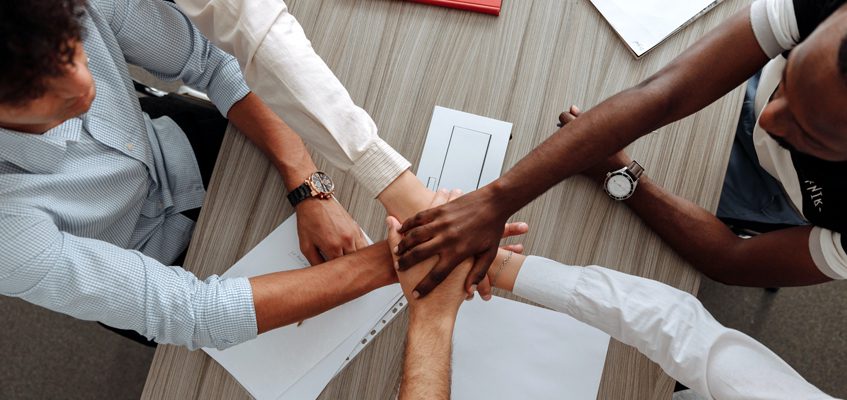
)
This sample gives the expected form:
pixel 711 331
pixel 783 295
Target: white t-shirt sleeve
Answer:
pixel 775 25
pixel 828 252
pixel 669 326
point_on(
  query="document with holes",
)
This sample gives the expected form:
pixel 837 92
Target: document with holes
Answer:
pixel 297 362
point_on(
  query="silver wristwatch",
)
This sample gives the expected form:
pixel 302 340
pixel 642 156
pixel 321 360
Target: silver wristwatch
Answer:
pixel 620 184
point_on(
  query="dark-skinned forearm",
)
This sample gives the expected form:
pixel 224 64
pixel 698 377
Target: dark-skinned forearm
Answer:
pixel 774 259
pixel 286 297
pixel 716 64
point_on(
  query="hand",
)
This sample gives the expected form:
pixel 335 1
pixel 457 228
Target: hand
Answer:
pixel 326 230
pixel 444 300
pixel 470 226
pixel 598 171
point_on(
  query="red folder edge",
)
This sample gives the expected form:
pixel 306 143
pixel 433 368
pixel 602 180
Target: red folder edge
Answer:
pixel 484 6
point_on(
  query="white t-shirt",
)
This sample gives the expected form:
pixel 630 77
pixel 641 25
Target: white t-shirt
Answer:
pixel 812 186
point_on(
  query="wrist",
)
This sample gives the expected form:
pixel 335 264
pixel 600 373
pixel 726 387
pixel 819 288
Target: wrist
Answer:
pixel 295 175
pixel 432 315
pixel 502 197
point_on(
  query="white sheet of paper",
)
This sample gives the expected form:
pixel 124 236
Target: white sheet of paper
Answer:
pixel 505 349
pixel 313 382
pixel 463 151
pixel 269 365
pixel 643 24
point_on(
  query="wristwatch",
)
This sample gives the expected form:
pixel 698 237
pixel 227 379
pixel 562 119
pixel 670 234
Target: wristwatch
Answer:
pixel 318 185
pixel 620 184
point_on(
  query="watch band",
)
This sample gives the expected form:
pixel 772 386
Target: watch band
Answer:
pixel 634 169
pixel 299 194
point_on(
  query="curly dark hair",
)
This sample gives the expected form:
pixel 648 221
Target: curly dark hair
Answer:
pixel 37 42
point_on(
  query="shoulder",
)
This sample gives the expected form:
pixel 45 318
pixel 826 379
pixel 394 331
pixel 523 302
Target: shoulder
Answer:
pixel 811 13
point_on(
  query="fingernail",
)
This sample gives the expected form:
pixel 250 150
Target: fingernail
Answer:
pixel 396 249
pixel 396 266
pixel 523 225
pixel 473 289
pixel 415 294
pixel 486 297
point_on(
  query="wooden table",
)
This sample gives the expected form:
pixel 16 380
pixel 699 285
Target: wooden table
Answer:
pixel 399 60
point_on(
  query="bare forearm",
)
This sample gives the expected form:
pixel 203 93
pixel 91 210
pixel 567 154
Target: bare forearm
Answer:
pixel 405 196
pixel 286 297
pixel 283 147
pixel 779 258
pixel 426 366
pixel 712 67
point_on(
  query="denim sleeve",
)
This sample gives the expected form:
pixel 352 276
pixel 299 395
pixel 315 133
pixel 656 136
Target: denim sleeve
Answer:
pixel 94 280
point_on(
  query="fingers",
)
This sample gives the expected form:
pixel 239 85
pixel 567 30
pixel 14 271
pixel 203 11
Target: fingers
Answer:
pixel 419 254
pixel 575 111
pixel 515 229
pixel 517 248
pixel 454 194
pixel 441 196
pixel 414 238
pixel 436 275
pixel 331 253
pixel 484 288
pixel 421 218
pixel 361 242
pixel 568 116
pixel 480 267
pixel 311 253
pixel 393 236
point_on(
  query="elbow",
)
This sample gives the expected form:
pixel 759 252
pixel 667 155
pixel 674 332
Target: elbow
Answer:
pixel 666 95
pixel 722 263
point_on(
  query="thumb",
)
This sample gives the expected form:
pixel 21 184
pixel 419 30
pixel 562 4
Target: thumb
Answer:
pixel 393 235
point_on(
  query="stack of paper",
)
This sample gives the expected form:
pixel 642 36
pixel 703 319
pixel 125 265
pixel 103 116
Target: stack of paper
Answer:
pixel 643 24
pixel 297 362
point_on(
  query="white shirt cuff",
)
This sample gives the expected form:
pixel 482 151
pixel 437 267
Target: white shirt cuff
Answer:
pixel 378 167
pixel 548 282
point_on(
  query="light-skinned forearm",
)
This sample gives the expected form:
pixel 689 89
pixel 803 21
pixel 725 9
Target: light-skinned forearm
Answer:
pixel 716 64
pixel 405 196
pixel 283 147
pixel 426 364
pixel 286 297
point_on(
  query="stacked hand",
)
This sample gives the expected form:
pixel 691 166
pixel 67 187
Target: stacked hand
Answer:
pixel 447 297
pixel 326 230
pixel 414 275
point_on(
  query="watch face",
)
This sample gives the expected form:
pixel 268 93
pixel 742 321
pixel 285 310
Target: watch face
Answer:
pixel 619 185
pixel 322 182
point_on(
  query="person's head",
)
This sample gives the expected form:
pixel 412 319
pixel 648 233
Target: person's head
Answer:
pixel 809 109
pixel 44 76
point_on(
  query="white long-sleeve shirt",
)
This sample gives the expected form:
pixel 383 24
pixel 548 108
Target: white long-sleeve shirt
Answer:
pixel 669 326
pixel 280 65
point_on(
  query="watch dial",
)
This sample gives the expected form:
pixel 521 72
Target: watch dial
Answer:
pixel 618 185
pixel 322 182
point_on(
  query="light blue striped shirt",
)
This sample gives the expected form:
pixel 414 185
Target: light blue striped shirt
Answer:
pixel 90 210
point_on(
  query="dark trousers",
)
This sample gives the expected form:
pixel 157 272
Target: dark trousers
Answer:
pixel 204 126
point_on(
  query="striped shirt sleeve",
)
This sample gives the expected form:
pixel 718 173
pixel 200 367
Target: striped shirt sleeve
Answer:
pixel 156 36
pixel 94 280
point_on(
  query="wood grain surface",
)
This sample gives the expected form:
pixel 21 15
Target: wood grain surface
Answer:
pixel 398 60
